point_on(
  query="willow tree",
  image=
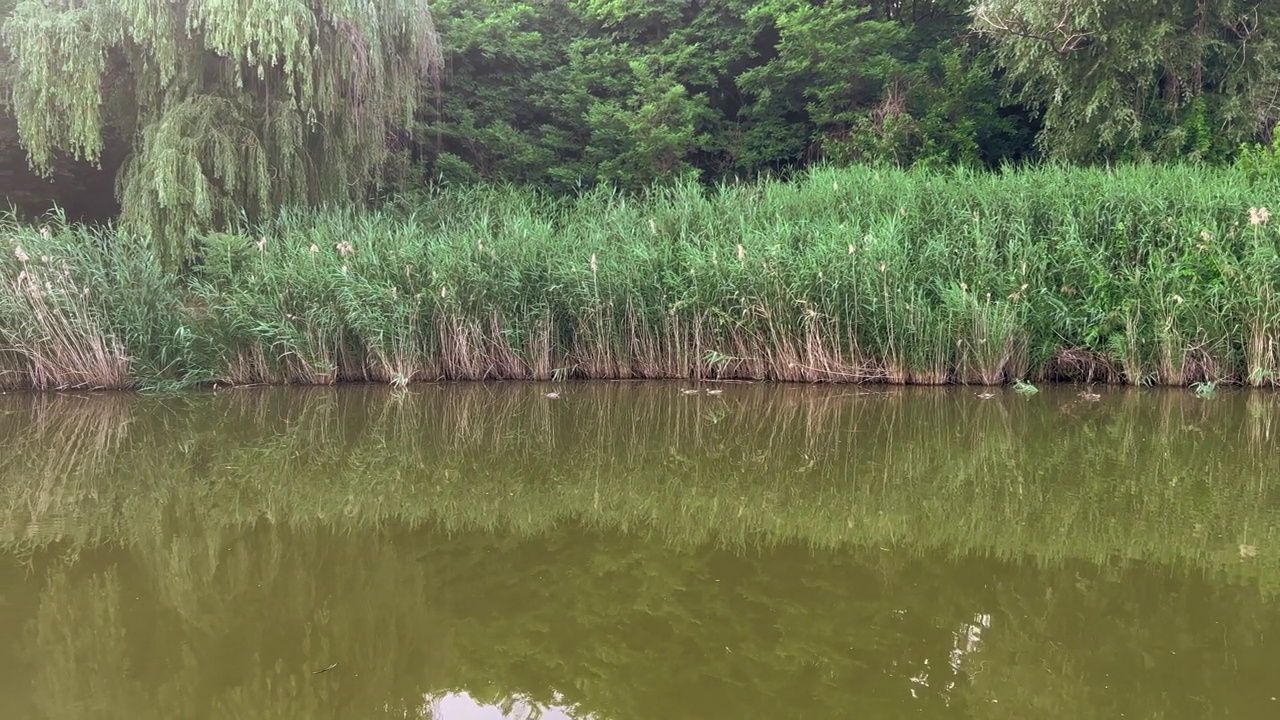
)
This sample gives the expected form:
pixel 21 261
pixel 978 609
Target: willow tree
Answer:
pixel 1120 79
pixel 234 108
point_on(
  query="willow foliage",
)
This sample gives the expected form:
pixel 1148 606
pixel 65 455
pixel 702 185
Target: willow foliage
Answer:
pixel 1137 79
pixel 233 107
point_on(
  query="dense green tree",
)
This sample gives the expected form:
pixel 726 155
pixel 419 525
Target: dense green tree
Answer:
pixel 233 107
pixel 509 111
pixel 1132 79
pixel 568 93
pixel 577 92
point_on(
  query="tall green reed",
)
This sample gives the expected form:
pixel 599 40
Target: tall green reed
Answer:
pixel 82 308
pixel 1137 275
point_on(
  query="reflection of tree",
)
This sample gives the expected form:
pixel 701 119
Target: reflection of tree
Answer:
pixel 59 445
pixel 84 655
pixel 243 636
pixel 620 627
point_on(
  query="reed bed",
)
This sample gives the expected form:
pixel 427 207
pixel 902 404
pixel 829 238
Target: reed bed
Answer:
pixel 1138 275
pixel 84 309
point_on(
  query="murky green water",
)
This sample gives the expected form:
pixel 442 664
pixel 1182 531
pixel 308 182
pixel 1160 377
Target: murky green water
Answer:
pixel 628 551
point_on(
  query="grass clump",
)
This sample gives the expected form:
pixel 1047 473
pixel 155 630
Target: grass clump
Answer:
pixel 1138 275
pixel 83 309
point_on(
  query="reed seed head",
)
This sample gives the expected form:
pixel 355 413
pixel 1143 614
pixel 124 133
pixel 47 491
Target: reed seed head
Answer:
pixel 22 256
pixel 344 248
pixel 1259 216
pixel 261 244
pixel 314 249
pixel 594 267
pixel 45 232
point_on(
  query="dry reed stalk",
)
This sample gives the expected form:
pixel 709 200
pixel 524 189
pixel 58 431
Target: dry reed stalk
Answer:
pixel 937 371
pixel 350 364
pixel 462 349
pixel 823 351
pixel 1171 367
pixel 895 372
pixel 783 360
pixel 505 360
pixel 13 371
pixel 693 367
pixel 1200 366
pixel 932 376
pixel 1083 365
pixel 249 366
pixel 377 367
pixel 238 370
pixel 1261 361
pixel 320 368
pixel 592 352
pixel 1130 363
pixel 541 363
pixel 401 366
pixel 644 348
pixel 988 349
pixel 59 341
pixel 748 358
pixel 304 371
pixel 675 361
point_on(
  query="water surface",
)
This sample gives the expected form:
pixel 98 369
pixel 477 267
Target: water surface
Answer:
pixel 630 551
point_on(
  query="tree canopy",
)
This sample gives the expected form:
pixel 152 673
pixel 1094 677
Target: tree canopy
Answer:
pixel 1131 79
pixel 233 107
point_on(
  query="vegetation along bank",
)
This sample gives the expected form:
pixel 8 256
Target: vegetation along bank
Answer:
pixel 1162 275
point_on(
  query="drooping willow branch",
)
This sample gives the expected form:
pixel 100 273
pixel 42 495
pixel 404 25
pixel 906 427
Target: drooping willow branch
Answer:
pixel 234 108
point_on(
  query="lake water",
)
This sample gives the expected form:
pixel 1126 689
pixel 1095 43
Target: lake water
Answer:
pixel 631 551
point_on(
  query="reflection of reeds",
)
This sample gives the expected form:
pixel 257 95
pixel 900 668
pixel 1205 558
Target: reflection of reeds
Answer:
pixel 59 448
pixel 1143 474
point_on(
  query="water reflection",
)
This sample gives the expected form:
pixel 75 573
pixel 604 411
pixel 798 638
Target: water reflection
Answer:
pixel 461 706
pixel 632 552
pixel 1158 476
pixel 608 625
